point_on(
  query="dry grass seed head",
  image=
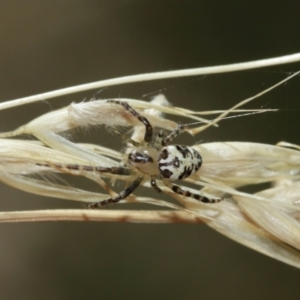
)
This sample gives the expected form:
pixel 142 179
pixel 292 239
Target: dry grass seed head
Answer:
pixel 267 221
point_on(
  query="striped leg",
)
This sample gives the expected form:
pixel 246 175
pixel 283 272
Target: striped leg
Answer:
pixel 84 170
pixel 149 129
pixel 157 142
pixel 123 195
pixel 170 137
pixel 178 190
pixel 75 169
pixel 154 184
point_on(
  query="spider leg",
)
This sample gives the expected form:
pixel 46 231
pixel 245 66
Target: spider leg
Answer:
pixel 157 142
pixel 123 195
pixel 171 136
pixel 76 169
pixel 149 129
pixel 178 190
pixel 84 170
pixel 154 184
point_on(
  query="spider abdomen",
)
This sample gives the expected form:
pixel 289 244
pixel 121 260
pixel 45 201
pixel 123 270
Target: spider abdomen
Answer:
pixel 177 162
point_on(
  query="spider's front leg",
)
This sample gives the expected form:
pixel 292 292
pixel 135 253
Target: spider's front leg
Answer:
pixel 123 195
pixel 165 141
pixel 171 136
pixel 148 126
pixel 76 169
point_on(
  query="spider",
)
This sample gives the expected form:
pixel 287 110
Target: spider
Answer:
pixel 153 158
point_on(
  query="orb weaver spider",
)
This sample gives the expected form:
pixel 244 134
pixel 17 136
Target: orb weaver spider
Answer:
pixel 154 158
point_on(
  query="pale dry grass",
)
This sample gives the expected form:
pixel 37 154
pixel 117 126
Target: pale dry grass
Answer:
pixel 267 221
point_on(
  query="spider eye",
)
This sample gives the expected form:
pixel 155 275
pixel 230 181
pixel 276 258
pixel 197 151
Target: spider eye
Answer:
pixel 139 158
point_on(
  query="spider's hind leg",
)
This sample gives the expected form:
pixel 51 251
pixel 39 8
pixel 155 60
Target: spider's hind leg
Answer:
pixel 178 190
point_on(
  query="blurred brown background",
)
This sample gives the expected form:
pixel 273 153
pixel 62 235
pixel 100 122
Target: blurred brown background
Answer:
pixel 46 45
